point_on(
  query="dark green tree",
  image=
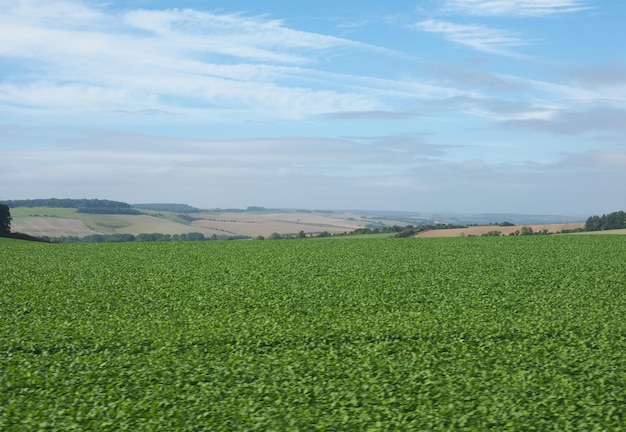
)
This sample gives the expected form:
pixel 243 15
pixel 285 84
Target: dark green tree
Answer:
pixel 592 223
pixel 5 220
pixel 195 236
pixel 615 220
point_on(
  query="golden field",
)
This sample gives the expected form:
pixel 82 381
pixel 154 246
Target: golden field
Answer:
pixel 504 230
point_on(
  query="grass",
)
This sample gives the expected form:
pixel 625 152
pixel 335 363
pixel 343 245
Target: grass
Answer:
pixel 9 241
pixel 358 236
pixel 615 231
pixel 502 333
pixel 43 211
pixel 103 222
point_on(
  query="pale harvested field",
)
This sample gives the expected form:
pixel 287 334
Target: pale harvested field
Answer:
pixel 506 230
pixel 264 224
pixel 225 224
pixel 138 224
pixel 86 224
pixel 51 226
pixel 233 224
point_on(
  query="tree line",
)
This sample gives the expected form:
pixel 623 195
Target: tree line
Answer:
pixel 92 206
pixel 144 237
pixel 611 221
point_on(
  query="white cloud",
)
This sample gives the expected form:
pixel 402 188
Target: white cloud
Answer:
pixel 173 61
pixel 235 35
pixel 522 8
pixel 418 134
pixel 480 38
pixel 44 95
pixel 52 13
pixel 379 172
pixel 573 122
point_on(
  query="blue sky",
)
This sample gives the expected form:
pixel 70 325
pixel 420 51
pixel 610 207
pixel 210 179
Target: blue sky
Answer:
pixel 468 106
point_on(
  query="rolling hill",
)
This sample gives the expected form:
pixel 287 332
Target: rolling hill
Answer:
pixel 80 218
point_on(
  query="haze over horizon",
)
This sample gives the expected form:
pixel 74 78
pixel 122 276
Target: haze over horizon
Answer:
pixel 464 106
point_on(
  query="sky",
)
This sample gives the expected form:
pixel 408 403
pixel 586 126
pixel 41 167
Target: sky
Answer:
pixel 465 106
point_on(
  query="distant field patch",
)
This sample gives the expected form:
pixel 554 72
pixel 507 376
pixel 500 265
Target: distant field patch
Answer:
pixel 151 224
pixel 104 223
pixel 255 224
pixel 64 222
pixel 51 226
pixel 19 212
pixel 504 230
pixel 616 231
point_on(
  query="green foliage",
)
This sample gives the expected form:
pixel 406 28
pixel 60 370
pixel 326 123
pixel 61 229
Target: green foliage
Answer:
pixel 410 230
pixel 5 226
pixel 5 220
pixel 186 218
pixel 615 220
pixel 323 234
pixel 167 207
pixel 143 237
pixel 43 211
pixel 482 333
pixel 90 206
pixel 526 231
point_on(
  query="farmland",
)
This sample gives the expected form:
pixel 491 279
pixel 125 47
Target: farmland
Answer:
pixel 58 222
pixel 473 333
pixel 504 230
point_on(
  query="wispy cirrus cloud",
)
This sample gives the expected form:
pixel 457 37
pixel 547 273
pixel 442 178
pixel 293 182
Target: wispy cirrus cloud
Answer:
pixel 233 35
pixel 519 8
pixel 493 40
pixel 192 63
pixel 478 37
pixel 573 122
pixel 371 115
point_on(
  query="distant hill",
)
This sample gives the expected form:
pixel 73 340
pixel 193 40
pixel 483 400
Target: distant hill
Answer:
pixel 54 222
pixel 416 218
pixel 169 207
pixel 83 217
pixel 517 219
pixel 92 206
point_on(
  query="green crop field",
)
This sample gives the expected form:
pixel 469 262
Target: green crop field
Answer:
pixel 20 212
pixel 482 333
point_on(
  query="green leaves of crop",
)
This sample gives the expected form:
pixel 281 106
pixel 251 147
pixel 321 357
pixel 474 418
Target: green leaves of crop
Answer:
pixel 364 334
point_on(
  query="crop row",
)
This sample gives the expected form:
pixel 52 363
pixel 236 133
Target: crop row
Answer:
pixel 523 333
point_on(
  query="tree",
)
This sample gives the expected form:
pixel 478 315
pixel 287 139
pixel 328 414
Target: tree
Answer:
pixel 615 220
pixel 592 223
pixel 526 231
pixel 195 236
pixel 5 220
